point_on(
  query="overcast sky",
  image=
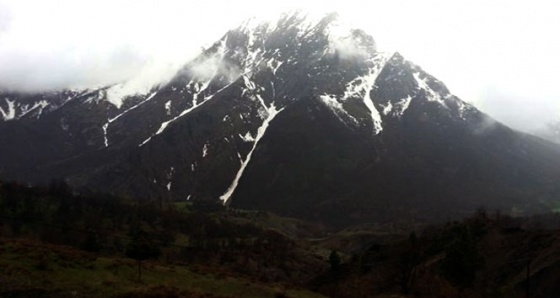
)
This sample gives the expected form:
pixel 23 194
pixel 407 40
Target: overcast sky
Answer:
pixel 503 56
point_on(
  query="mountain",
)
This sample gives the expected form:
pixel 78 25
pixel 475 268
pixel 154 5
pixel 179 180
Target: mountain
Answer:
pixel 551 131
pixel 301 117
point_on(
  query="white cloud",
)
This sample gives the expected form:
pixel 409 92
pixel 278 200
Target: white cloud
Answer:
pixel 351 44
pixel 480 49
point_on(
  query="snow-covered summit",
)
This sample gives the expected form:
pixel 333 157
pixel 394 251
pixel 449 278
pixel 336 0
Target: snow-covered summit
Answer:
pixel 303 116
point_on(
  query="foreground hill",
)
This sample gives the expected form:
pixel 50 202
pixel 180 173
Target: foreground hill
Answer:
pixel 55 244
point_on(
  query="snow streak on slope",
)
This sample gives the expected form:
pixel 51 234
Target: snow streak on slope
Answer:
pixel 272 112
pixel 38 105
pixel 165 124
pixel 110 120
pixel 35 105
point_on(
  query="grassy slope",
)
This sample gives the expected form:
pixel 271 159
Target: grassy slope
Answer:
pixel 30 269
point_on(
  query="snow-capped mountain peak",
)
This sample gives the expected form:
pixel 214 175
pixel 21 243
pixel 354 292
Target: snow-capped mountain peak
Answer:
pixel 302 116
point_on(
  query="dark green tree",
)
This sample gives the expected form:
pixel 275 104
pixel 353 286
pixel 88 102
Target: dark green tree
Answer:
pixel 334 260
pixel 409 261
pixel 90 243
pixel 462 258
pixel 140 248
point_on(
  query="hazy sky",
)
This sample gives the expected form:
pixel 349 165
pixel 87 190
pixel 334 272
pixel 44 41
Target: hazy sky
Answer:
pixel 503 56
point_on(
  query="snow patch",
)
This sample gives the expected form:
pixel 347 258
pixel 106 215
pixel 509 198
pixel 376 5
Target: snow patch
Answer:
pixel 253 57
pixel 168 107
pixel 252 89
pixel 402 106
pixel 274 65
pixel 247 137
pixel 387 108
pixel 63 125
pixel 10 114
pixel 169 176
pixel 431 95
pixel 105 138
pixel 96 95
pixel 38 105
pixel 332 103
pixel 41 105
pixel 170 173
pixel 363 85
pixel 198 88
pixel 462 107
pixel 248 83
pixel 205 150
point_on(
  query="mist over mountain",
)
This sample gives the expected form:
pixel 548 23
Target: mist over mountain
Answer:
pixel 299 116
pixel 550 132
